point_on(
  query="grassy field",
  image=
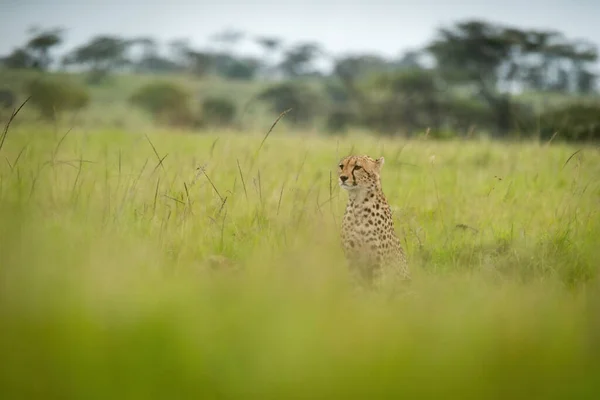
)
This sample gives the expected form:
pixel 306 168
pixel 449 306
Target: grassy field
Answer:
pixel 113 283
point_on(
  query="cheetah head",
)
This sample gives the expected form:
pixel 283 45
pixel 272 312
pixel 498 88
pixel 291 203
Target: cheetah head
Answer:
pixel 359 172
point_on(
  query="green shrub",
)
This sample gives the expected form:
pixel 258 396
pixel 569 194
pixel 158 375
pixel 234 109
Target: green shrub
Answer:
pixel 53 96
pixel 303 101
pixel 218 111
pixel 464 114
pixel 167 102
pixel 574 122
pixel 523 119
pixel 339 119
pixel 8 99
pixel 337 93
pixel 405 101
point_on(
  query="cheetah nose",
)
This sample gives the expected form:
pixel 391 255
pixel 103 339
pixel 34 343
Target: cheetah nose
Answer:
pixel 343 178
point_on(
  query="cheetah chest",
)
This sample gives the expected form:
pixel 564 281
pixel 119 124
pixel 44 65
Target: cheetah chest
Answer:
pixel 366 228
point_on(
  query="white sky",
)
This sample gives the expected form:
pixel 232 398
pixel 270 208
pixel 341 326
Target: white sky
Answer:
pixel 376 26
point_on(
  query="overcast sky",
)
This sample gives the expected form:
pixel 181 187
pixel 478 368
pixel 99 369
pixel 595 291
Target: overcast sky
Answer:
pixel 385 27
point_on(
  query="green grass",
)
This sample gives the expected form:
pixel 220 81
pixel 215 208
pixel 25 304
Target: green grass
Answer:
pixel 106 289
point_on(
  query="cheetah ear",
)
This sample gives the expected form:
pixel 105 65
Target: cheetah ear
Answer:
pixel 380 161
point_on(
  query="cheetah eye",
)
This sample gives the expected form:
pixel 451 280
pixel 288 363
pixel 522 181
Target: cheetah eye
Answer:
pixel 357 167
pixel 341 166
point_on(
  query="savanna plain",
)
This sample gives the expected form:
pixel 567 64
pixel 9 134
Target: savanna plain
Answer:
pixel 175 265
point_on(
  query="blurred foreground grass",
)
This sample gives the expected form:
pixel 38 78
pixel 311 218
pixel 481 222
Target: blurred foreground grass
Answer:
pixel 108 289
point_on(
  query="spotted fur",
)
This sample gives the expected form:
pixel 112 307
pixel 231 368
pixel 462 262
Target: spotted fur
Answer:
pixel 370 244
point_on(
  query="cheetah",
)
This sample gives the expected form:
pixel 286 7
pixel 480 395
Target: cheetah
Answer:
pixel 370 244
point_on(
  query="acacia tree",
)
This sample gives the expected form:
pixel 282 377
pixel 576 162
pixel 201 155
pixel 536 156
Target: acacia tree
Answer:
pixel 298 60
pixel 350 69
pixel 144 56
pixel 36 52
pixel 102 55
pixel 270 46
pixel 19 59
pixel 145 49
pixel 41 43
pixel 495 58
pixel 179 50
pixel 200 63
pixel 583 55
pixel 388 95
pixel 410 59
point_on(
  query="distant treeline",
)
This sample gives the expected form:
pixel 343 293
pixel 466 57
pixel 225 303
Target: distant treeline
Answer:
pixel 464 79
